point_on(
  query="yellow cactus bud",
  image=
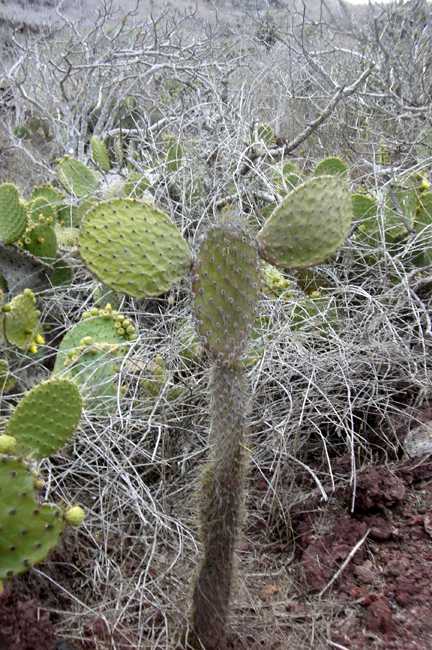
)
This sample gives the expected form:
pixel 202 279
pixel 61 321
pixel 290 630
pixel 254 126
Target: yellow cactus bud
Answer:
pixel 74 516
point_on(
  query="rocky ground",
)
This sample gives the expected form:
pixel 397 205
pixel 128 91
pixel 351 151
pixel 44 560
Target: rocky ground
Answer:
pixel 380 599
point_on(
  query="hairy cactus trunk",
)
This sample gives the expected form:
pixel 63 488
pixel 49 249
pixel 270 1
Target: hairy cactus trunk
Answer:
pixel 221 505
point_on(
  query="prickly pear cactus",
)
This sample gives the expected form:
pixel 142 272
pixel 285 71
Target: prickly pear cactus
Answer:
pixel 90 352
pixel 225 289
pixel 28 531
pixel 309 225
pixel 53 201
pixel 221 498
pixel 40 239
pixel 100 154
pixel 265 133
pixel 331 167
pixel 39 206
pixel 20 321
pixel 46 417
pixel 136 249
pixel 133 247
pixel 13 217
pixel 77 179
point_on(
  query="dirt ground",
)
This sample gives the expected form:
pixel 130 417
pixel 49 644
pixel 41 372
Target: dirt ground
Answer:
pixel 381 599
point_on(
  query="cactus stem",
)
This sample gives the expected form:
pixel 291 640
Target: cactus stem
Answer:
pixel 220 506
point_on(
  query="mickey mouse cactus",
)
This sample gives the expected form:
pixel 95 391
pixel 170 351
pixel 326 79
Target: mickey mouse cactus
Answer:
pixel 136 249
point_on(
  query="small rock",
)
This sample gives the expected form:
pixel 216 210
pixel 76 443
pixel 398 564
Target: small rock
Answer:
pixel 378 489
pixel 418 441
pixel 380 529
pixel 379 618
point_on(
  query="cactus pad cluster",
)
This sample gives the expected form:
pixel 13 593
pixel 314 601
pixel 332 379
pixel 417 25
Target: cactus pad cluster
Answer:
pixel 41 423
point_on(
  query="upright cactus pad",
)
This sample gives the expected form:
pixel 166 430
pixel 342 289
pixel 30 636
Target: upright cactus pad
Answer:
pixel 13 217
pixel 28 532
pixel 20 321
pixel 76 178
pixel 309 225
pixel 40 240
pixel 46 417
pixel 39 206
pixel 225 288
pixel 99 154
pixel 331 167
pixel 53 198
pixel 133 247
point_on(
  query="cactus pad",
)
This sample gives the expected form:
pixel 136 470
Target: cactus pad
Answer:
pixel 309 225
pixel 13 218
pixel 99 154
pixel 133 247
pixel 40 240
pixel 331 167
pixel 76 178
pixel 46 417
pixel 225 288
pixel 89 352
pixel 28 531
pixel 20 322
pixel 52 197
pixel 39 206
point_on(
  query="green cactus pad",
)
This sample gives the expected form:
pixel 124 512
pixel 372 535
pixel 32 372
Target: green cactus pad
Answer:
pixel 331 167
pixel 287 177
pixel 13 217
pixel 54 198
pixel 89 354
pixel 46 417
pixel 20 323
pixel 133 247
pixel 136 185
pixel 41 241
pixel 174 154
pixel 39 206
pixel 22 133
pixel 46 191
pixel 76 178
pixel 225 289
pixel 99 154
pixel 266 134
pixel 309 225
pixel 34 123
pixel 28 531
pixel 424 216
pixel 364 207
